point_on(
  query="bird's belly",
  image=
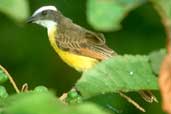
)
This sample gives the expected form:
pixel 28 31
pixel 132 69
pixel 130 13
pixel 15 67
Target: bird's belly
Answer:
pixel 80 63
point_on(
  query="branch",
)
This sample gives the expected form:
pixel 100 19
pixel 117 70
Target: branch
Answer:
pixel 10 79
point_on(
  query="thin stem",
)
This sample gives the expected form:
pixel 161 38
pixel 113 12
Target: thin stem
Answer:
pixel 167 26
pixel 130 100
pixel 10 79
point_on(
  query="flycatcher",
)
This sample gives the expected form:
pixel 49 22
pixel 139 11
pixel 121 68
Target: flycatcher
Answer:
pixel 77 46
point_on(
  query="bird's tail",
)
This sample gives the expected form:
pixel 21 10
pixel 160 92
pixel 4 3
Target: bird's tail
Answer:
pixel 148 96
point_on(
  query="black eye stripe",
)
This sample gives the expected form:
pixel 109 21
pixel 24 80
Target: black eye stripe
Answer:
pixel 44 12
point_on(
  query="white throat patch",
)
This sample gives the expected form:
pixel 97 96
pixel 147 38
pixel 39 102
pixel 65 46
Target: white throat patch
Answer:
pixel 46 23
pixel 45 8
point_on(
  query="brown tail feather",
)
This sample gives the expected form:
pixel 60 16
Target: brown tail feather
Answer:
pixel 148 96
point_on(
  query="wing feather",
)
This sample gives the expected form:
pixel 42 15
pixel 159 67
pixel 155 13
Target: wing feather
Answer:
pixel 83 42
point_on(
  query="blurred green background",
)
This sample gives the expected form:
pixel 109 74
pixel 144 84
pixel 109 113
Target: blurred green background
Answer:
pixel 28 56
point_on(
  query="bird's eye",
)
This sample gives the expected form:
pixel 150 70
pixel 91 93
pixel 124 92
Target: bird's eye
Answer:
pixel 44 12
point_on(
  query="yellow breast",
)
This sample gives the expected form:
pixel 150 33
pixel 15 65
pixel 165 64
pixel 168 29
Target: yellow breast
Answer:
pixel 80 63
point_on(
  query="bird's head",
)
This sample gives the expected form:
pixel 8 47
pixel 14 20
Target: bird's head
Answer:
pixel 46 16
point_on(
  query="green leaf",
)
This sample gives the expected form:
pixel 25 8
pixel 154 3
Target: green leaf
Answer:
pixel 106 15
pixel 45 103
pixel 156 58
pixel 3 92
pixel 120 73
pixel 73 97
pixel 3 77
pixel 16 9
pixel 41 89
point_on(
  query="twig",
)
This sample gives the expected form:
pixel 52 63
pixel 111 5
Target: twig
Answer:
pixel 10 79
pixel 165 69
pixel 24 88
pixel 165 84
pixel 167 26
pixel 148 96
pixel 130 100
pixel 63 97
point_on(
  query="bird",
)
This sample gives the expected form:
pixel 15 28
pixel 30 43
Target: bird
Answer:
pixel 77 46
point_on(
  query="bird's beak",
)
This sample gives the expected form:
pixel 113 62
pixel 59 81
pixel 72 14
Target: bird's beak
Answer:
pixel 31 19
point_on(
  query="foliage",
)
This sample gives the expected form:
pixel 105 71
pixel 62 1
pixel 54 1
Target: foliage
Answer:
pixel 120 73
pixel 44 103
pixel 156 58
pixel 16 9
pixel 107 15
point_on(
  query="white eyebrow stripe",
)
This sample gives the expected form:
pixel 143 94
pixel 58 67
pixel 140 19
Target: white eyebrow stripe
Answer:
pixel 45 8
